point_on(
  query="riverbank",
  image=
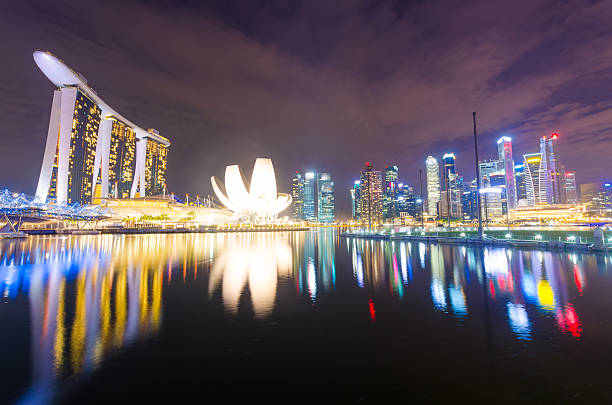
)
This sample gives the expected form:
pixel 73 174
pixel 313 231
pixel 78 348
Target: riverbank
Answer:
pixel 514 243
pixel 155 230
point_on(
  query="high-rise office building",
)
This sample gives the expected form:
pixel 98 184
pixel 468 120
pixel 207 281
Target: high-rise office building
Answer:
pixel 504 150
pixel 521 185
pixel 389 198
pixel 325 198
pixel 310 195
pixel 448 161
pixel 89 153
pixel 297 195
pixel 371 195
pixel 486 167
pixel 597 198
pixel 571 192
pixel 469 202
pixel 355 200
pixel 553 170
pixel 535 179
pixel 122 160
pixel 433 185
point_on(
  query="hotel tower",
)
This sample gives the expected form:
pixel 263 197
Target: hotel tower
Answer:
pixel 92 152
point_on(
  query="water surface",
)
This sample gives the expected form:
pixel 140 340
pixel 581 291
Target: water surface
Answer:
pixel 300 317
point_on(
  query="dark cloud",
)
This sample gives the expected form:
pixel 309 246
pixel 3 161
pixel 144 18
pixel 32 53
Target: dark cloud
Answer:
pixel 318 85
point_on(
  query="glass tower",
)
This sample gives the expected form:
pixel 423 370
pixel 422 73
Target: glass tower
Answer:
pixel 325 198
pixel 535 179
pixel 355 200
pixel 504 150
pixel 433 185
pixel 310 187
pixel 297 195
pixel 571 193
pixel 521 186
pixel 389 198
pixel 371 195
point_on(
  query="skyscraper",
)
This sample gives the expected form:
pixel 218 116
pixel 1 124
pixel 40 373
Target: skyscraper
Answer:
pixel 486 167
pixel 355 200
pixel 297 195
pixel 325 198
pixel 504 150
pixel 433 185
pixel 571 193
pixel 92 152
pixel 371 195
pixel 310 191
pixel 553 172
pixel 122 160
pixel 448 160
pixel 521 185
pixel 389 198
pixel 535 179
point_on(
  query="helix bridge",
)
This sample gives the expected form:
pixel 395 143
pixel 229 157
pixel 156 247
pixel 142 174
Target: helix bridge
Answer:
pixel 16 208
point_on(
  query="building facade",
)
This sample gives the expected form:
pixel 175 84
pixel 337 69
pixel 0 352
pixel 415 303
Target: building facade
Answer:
pixel 521 186
pixel 504 151
pixel 432 169
pixel 297 195
pixel 355 200
pixel 325 198
pixel 571 192
pixel 535 179
pixel 89 152
pixel 310 196
pixel 371 196
pixel 390 196
pixel 553 171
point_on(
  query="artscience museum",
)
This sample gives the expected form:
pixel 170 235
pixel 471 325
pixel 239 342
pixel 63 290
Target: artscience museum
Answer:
pixel 257 201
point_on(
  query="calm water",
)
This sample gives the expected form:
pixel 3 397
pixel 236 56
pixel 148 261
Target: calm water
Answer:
pixel 302 317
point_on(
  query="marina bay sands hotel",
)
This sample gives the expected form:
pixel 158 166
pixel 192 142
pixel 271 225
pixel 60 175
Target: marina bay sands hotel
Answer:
pixel 93 152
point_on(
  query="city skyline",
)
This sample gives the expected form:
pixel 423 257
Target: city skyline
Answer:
pixel 525 92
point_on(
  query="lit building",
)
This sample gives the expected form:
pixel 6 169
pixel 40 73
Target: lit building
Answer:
pixel 371 196
pixel 491 203
pixel 448 160
pixel 597 198
pixel 521 186
pixel 122 160
pixel 261 201
pixel 325 198
pixel 504 150
pixel 469 202
pixel 389 198
pixel 433 185
pixel 310 195
pixel 355 200
pixel 486 167
pixel 535 179
pixel 571 192
pixel 89 152
pixel 297 195
pixel 553 172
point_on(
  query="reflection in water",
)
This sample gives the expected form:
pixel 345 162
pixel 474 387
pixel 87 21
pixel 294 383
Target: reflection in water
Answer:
pixel 518 278
pixel 260 260
pixel 88 297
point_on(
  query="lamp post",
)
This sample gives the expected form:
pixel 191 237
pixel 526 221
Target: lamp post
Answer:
pixel 477 176
pixel 422 199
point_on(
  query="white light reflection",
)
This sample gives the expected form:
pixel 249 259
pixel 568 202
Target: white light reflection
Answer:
pixel 258 263
pixel 519 321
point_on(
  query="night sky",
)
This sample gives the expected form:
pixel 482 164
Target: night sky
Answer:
pixel 318 85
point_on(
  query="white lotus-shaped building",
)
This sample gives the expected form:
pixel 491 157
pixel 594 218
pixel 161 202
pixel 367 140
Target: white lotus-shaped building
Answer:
pixel 261 201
